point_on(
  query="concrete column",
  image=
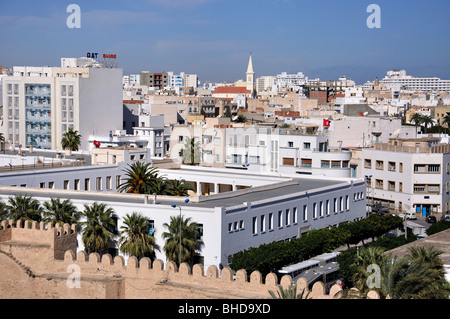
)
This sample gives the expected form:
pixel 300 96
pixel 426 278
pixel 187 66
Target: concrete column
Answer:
pixel 216 188
pixel 199 188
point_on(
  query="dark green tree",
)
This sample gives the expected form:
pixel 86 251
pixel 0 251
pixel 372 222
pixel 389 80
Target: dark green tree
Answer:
pixel 135 238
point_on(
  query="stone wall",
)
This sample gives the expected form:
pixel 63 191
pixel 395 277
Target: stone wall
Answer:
pixel 33 266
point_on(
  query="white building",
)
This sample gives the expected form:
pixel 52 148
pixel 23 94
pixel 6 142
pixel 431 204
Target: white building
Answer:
pixel 365 131
pixel 286 152
pixel 151 134
pixel 409 174
pixel 397 79
pixel 42 103
pixel 265 83
pixel 247 210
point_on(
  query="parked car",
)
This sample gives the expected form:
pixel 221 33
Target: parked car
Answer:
pixel 431 219
pixel 408 215
pixel 379 209
pixel 446 217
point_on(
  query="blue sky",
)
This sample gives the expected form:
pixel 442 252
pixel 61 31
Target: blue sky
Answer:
pixel 213 38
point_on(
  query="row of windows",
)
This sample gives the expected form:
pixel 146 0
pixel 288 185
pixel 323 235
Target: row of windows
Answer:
pixel 288 217
pixel 77 184
pixel 392 166
pixel 379 165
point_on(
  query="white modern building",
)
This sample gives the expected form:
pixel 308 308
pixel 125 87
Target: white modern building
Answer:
pixel 246 209
pixel 42 103
pixel 276 151
pixel 409 175
pixel 366 131
pixel 151 134
pixel 397 79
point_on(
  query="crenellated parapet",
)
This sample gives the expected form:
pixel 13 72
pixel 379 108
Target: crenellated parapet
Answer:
pixel 56 239
pixel 141 275
pixel 49 253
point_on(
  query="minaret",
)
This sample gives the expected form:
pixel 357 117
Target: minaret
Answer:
pixel 250 75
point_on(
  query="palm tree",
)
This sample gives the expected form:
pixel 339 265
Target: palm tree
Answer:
pixel 160 187
pixel 288 293
pixel 71 140
pixel 427 120
pixel 140 178
pixel 98 227
pixel 189 238
pixel 3 210
pixel 23 208
pixel 446 120
pixel 62 212
pixel 192 152
pixel 136 239
pixel 418 275
pixel 367 256
pixel 416 118
pixel 179 187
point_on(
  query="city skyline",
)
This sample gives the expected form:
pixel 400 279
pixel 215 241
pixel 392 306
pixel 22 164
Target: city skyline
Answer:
pixel 213 38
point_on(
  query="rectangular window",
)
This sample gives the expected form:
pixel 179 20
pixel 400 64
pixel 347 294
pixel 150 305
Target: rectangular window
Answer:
pixel 368 163
pixel 87 184
pixel 270 221
pixel 335 205
pixel 321 209
pixel 419 168
pixel 391 186
pixel 305 213
pixel 347 202
pixel 294 213
pixel 380 165
pixel 263 223
pixel 117 181
pixel 306 162
pixel 288 217
pixel 66 184
pixel 379 183
pixel 99 183
pixel 254 225
pixel 328 207
pixel 280 218
pixel 391 166
pixel 76 184
pixel 108 183
pixel 51 184
pixel 314 210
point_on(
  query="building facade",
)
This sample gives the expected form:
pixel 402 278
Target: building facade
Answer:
pixel 42 103
pixel 397 79
pixel 246 211
pixel 270 150
pixel 409 175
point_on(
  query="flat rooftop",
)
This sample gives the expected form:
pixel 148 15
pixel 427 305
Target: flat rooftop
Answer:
pixel 227 199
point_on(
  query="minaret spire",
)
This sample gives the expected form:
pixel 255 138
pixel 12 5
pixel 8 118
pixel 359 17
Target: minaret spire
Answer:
pixel 250 74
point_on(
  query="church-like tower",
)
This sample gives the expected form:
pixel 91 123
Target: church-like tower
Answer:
pixel 250 75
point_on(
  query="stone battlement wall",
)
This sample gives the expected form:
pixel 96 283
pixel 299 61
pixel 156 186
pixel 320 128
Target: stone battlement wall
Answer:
pixel 50 274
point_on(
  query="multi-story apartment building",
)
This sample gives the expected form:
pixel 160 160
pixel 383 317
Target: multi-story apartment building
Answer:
pixel 284 151
pixel 41 103
pixel 409 174
pixel 154 80
pixel 397 79
pixel 209 136
pixel 365 131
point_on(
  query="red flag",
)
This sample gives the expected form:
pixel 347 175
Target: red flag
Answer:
pixel 326 123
